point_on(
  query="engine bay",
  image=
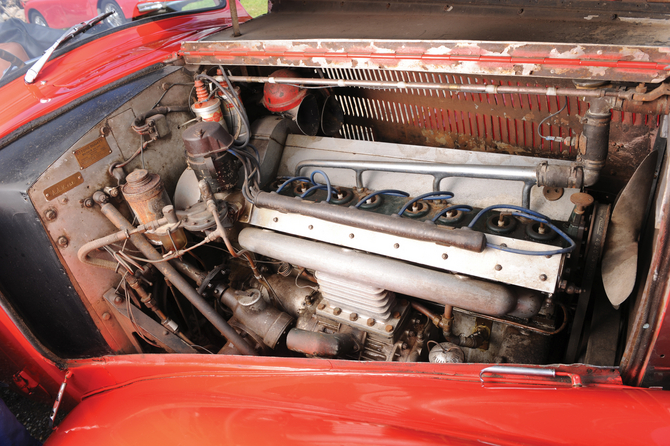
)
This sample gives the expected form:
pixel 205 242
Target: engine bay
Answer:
pixel 249 214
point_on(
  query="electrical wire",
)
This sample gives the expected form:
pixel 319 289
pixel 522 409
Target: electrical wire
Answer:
pixel 291 180
pixel 456 207
pixel 329 188
pixel 390 192
pixel 435 195
pixel 531 215
pixel 539 127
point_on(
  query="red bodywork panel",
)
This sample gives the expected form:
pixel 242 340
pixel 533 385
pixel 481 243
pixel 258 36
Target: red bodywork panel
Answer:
pixel 102 61
pixel 241 400
pixel 213 399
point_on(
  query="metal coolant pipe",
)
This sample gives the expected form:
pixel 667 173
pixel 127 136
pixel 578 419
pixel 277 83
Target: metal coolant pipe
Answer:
pixel 447 289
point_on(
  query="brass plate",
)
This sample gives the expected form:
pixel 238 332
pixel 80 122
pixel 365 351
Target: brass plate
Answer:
pixel 92 152
pixel 61 187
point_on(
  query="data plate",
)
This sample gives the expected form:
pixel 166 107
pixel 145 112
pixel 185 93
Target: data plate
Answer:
pixel 92 152
pixel 61 187
pixel 535 272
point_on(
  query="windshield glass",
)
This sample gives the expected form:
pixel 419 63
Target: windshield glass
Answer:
pixel 29 27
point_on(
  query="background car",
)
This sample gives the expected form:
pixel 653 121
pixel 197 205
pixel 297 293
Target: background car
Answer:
pixel 66 13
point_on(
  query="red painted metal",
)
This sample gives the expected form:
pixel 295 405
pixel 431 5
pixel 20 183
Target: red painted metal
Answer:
pixel 209 399
pixel 105 60
pixel 23 366
pixel 448 56
pixel 282 97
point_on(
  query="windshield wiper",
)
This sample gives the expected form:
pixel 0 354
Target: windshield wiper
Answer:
pixel 31 75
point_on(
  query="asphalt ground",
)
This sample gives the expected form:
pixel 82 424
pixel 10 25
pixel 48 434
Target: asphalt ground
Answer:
pixel 34 415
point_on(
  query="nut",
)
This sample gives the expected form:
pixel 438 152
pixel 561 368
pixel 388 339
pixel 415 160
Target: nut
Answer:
pixel 118 300
pixel 337 311
pixel 89 202
pixel 62 241
pixel 353 317
pixel 497 267
pixel 396 315
pixel 50 214
pixel 321 306
pixel 112 191
pixel 445 256
pixel 275 219
pixel 351 235
pixel 396 245
pixel 310 227
pixel 106 316
pixel 543 277
pixel 371 322
pixel 388 328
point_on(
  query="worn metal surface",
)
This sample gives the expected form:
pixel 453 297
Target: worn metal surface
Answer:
pixel 515 269
pixel 600 221
pixel 324 41
pixel 135 320
pixel 474 192
pixel 81 224
pixel 619 263
pixel 171 274
pixel 463 238
pixel 329 345
pixel 393 275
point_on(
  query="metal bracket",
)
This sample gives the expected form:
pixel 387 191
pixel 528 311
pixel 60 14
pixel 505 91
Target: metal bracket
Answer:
pixel 161 335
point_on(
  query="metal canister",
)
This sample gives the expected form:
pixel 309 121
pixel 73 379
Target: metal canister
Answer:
pixel 207 154
pixel 146 195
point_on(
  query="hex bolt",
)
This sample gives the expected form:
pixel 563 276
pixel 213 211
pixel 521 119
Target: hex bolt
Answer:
pixel 337 311
pixel 371 322
pixel 310 227
pixel 388 328
pixel 275 219
pixel 351 235
pixel 62 241
pixel 445 256
pixel 353 317
pixel 50 214
pixel 111 191
pixel 396 245
pixel 396 315
pixel 118 300
pixel 106 316
pixel 89 202
pixel 497 267
pixel 321 306
pixel 543 277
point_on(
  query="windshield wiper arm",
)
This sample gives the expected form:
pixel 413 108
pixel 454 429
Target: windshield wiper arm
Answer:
pixel 31 75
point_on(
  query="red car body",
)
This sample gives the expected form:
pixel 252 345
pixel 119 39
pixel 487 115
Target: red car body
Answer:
pixel 64 14
pixel 216 399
